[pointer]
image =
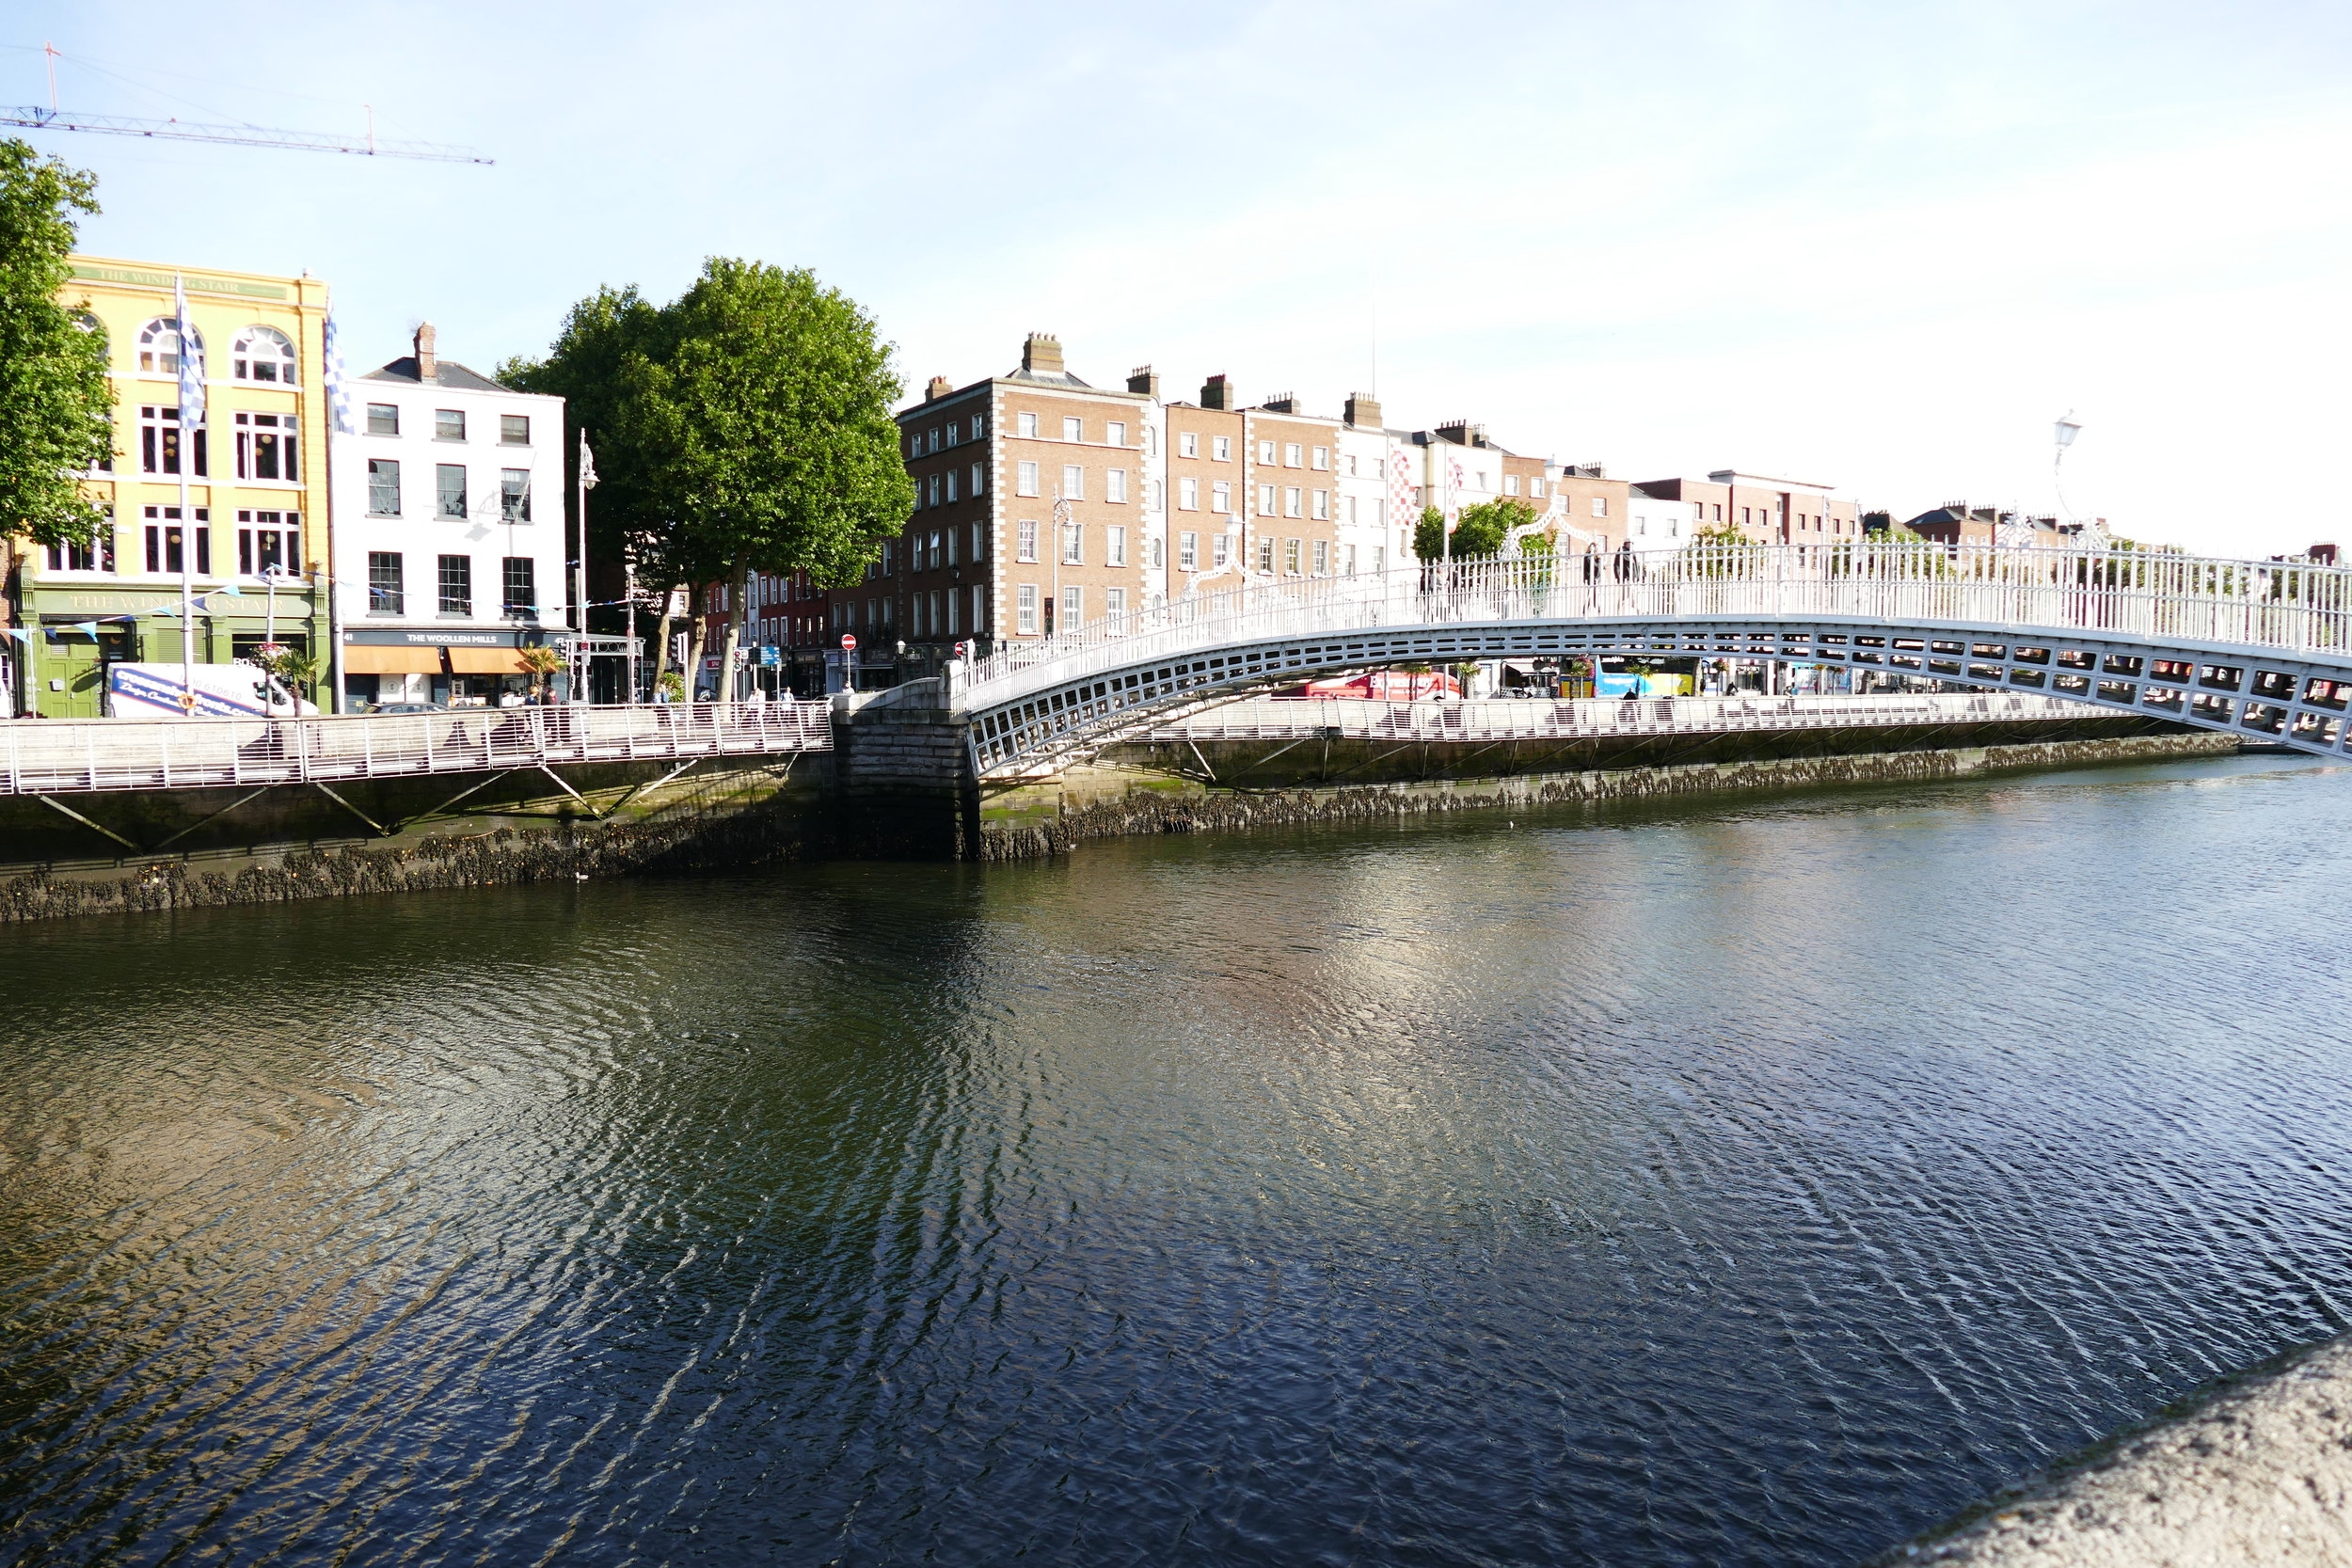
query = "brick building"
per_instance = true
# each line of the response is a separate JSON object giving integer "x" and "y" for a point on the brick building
{"x": 1043, "y": 502}
{"x": 1766, "y": 511}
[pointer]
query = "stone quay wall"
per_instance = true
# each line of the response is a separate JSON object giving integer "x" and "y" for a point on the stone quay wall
{"x": 1139, "y": 790}
{"x": 898, "y": 786}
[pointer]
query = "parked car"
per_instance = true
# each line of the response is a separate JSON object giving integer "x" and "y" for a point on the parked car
{"x": 408, "y": 707}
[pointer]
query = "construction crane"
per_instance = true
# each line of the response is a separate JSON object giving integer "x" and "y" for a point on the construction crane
{"x": 54, "y": 118}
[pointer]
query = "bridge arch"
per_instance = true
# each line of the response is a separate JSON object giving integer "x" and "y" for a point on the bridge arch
{"x": 2259, "y": 649}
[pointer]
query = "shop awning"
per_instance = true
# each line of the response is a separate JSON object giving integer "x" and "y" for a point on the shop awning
{"x": 362, "y": 659}
{"x": 483, "y": 661}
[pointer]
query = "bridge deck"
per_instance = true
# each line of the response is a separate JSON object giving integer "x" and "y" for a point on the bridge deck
{"x": 48, "y": 756}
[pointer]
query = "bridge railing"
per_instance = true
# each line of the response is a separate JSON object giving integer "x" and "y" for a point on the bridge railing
{"x": 1522, "y": 719}
{"x": 2128, "y": 592}
{"x": 49, "y": 757}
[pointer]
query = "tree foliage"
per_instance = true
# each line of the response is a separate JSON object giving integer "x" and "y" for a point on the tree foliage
{"x": 744, "y": 427}
{"x": 1480, "y": 531}
{"x": 54, "y": 403}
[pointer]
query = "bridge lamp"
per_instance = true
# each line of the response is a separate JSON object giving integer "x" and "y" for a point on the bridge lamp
{"x": 2063, "y": 433}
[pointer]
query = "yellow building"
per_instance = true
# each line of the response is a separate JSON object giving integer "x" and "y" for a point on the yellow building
{"x": 257, "y": 485}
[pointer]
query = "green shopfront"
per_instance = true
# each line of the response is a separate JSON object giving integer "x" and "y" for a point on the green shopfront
{"x": 69, "y": 633}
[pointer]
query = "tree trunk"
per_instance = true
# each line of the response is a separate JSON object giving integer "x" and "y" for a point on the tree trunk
{"x": 697, "y": 634}
{"x": 662, "y": 639}
{"x": 739, "y": 581}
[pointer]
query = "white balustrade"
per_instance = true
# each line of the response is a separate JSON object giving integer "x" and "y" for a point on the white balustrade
{"x": 49, "y": 757}
{"x": 2148, "y": 595}
{"x": 1522, "y": 719}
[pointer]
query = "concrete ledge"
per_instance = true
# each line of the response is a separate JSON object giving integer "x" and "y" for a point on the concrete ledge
{"x": 2256, "y": 1469}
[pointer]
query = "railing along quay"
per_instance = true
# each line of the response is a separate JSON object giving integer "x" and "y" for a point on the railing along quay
{"x": 50, "y": 756}
{"x": 1586, "y": 718}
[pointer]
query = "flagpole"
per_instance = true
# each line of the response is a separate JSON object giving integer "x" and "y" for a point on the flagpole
{"x": 187, "y": 516}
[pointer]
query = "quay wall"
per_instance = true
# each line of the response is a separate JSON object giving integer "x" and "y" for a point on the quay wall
{"x": 898, "y": 790}
{"x": 1165, "y": 788}
{"x": 293, "y": 842}
{"x": 2254, "y": 1467}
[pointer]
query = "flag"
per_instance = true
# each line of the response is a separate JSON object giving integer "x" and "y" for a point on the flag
{"x": 338, "y": 394}
{"x": 191, "y": 366}
{"x": 88, "y": 629}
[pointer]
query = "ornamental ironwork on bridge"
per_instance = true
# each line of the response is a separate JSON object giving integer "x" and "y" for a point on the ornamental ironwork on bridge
{"x": 2257, "y": 648}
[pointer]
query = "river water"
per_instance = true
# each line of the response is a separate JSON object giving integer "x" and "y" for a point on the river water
{"x": 1749, "y": 1181}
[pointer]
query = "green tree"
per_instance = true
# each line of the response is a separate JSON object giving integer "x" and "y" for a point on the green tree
{"x": 1480, "y": 531}
{"x": 54, "y": 403}
{"x": 745, "y": 426}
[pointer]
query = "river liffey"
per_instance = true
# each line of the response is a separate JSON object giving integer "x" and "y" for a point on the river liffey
{"x": 1747, "y": 1182}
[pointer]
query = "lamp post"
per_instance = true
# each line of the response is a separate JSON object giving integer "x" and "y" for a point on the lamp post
{"x": 2063, "y": 434}
{"x": 579, "y": 573}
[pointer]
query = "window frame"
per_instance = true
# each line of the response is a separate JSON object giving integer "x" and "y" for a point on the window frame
{"x": 442, "y": 493}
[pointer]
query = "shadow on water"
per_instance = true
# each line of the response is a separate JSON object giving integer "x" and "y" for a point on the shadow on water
{"x": 1747, "y": 1181}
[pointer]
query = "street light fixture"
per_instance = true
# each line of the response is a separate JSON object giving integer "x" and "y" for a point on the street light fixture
{"x": 2063, "y": 433}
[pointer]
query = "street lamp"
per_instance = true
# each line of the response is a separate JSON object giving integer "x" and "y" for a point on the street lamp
{"x": 2063, "y": 433}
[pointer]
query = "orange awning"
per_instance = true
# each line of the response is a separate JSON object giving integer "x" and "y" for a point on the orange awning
{"x": 483, "y": 661}
{"x": 362, "y": 659}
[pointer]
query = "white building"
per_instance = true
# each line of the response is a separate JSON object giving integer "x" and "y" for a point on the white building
{"x": 1658, "y": 522}
{"x": 450, "y": 533}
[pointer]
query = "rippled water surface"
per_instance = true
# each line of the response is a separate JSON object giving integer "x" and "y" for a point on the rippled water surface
{"x": 1749, "y": 1183}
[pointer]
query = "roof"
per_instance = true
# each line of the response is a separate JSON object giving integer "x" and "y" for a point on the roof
{"x": 1045, "y": 379}
{"x": 446, "y": 373}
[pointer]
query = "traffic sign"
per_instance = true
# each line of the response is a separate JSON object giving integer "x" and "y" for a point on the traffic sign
{"x": 848, "y": 641}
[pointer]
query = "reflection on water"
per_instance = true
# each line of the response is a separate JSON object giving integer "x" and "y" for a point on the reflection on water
{"x": 1751, "y": 1181}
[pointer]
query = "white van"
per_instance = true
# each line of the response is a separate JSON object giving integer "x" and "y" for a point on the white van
{"x": 237, "y": 690}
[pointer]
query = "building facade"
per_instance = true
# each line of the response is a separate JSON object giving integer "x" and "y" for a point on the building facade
{"x": 1762, "y": 510}
{"x": 1043, "y": 502}
{"x": 256, "y": 469}
{"x": 451, "y": 532}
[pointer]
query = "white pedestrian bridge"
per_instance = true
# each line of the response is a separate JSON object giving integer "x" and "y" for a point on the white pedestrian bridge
{"x": 2257, "y": 648}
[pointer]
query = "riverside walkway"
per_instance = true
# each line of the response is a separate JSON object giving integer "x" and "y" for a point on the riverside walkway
{"x": 52, "y": 756}
{"x": 2257, "y": 648}
{"x": 1587, "y": 719}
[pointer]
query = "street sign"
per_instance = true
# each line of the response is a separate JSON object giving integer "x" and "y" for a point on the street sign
{"x": 848, "y": 641}
{"x": 769, "y": 658}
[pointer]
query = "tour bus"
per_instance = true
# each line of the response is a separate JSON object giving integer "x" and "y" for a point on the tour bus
{"x": 239, "y": 690}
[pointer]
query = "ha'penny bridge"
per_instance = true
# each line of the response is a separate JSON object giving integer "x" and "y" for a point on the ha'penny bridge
{"x": 2259, "y": 650}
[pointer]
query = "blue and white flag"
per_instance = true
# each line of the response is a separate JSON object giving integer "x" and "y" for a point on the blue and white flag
{"x": 338, "y": 394}
{"x": 191, "y": 363}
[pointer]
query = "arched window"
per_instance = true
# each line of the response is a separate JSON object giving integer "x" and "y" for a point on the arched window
{"x": 159, "y": 347}
{"x": 263, "y": 354}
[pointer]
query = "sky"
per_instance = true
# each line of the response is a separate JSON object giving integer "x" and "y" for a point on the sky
{"x": 1879, "y": 246}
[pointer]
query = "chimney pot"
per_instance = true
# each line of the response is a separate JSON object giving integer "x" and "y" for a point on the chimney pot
{"x": 1042, "y": 354}
{"x": 938, "y": 388}
{"x": 428, "y": 363}
{"x": 1285, "y": 403}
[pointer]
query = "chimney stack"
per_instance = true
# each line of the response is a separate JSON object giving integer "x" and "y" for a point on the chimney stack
{"x": 1042, "y": 354}
{"x": 1363, "y": 411}
{"x": 1285, "y": 403}
{"x": 937, "y": 390}
{"x": 1217, "y": 392}
{"x": 428, "y": 365}
{"x": 1142, "y": 379}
